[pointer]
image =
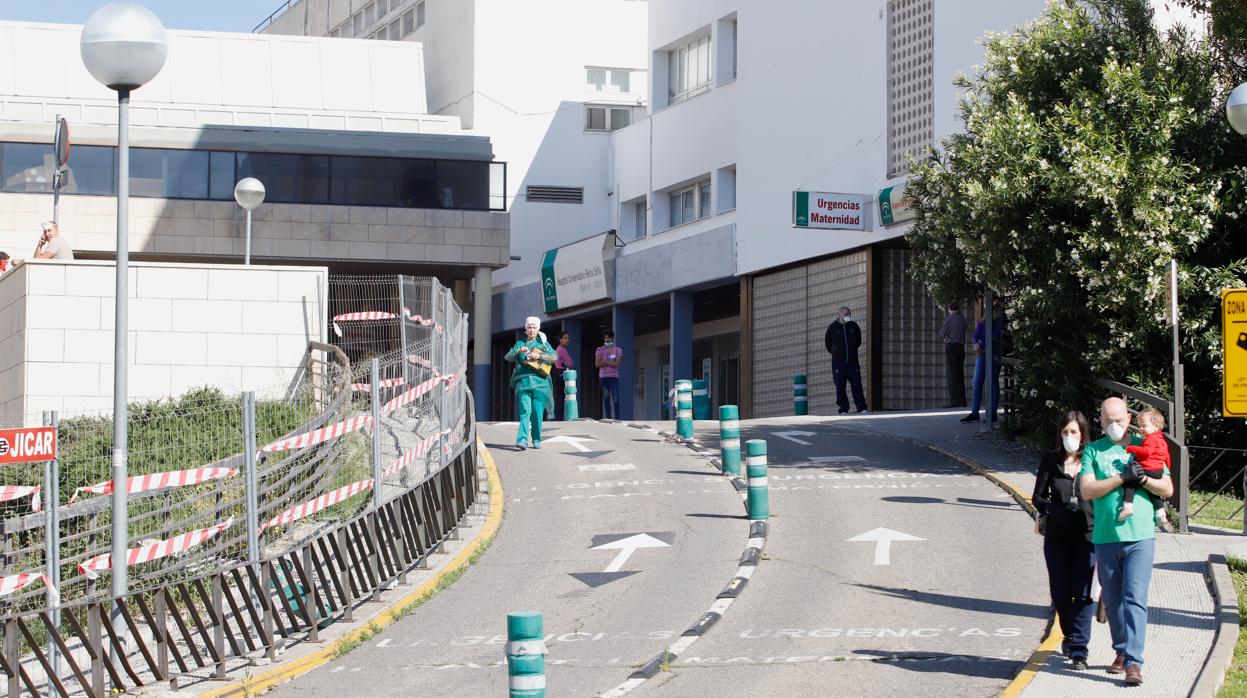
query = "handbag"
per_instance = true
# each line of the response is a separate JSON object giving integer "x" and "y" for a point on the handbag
{"x": 542, "y": 368}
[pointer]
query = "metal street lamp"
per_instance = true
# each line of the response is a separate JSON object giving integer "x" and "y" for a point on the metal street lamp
{"x": 123, "y": 46}
{"x": 249, "y": 193}
{"x": 1236, "y": 109}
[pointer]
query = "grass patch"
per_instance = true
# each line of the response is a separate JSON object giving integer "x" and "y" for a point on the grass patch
{"x": 1218, "y": 510}
{"x": 1235, "y": 685}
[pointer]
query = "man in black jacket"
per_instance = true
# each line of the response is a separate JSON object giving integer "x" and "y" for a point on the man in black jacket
{"x": 843, "y": 339}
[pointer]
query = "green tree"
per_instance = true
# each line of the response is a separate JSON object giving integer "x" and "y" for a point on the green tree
{"x": 1094, "y": 151}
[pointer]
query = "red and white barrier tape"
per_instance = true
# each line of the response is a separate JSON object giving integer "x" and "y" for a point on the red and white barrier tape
{"x": 320, "y": 435}
{"x": 419, "y": 361}
{"x": 411, "y": 395}
{"x": 155, "y": 481}
{"x": 306, "y": 509}
{"x": 386, "y": 383}
{"x": 11, "y": 492}
{"x": 455, "y": 433}
{"x": 154, "y": 550}
{"x": 366, "y": 315}
{"x": 17, "y": 582}
{"x": 416, "y": 318}
{"x": 404, "y": 461}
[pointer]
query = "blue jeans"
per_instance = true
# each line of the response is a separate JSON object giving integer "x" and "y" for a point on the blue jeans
{"x": 610, "y": 397}
{"x": 1125, "y": 574}
{"x": 1070, "y": 566}
{"x": 980, "y": 377}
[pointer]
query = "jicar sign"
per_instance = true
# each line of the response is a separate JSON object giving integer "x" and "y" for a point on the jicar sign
{"x": 896, "y": 205}
{"x": 32, "y": 445}
{"x": 576, "y": 274}
{"x": 820, "y": 209}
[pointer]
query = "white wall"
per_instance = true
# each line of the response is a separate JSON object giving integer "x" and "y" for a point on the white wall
{"x": 219, "y": 78}
{"x": 529, "y": 75}
{"x": 232, "y": 327}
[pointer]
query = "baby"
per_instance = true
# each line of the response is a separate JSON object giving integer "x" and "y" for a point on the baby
{"x": 1153, "y": 456}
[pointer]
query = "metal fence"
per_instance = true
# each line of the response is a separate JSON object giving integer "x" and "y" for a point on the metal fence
{"x": 252, "y": 521}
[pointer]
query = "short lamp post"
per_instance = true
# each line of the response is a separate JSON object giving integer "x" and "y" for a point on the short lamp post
{"x": 123, "y": 47}
{"x": 1236, "y": 109}
{"x": 249, "y": 193}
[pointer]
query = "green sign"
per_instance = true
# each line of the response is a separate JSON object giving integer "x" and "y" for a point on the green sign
{"x": 549, "y": 288}
{"x": 896, "y": 206}
{"x": 575, "y": 274}
{"x": 830, "y": 210}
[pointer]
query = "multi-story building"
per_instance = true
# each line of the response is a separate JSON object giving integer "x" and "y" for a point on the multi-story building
{"x": 360, "y": 177}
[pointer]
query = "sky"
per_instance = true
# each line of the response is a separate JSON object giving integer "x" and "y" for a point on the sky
{"x": 209, "y": 15}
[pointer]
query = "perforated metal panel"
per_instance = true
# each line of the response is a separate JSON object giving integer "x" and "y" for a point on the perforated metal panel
{"x": 911, "y": 57}
{"x": 791, "y": 311}
{"x": 913, "y": 353}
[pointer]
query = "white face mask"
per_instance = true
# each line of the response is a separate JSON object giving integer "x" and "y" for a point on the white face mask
{"x": 1071, "y": 442}
{"x": 608, "y": 343}
{"x": 1115, "y": 431}
{"x": 848, "y": 319}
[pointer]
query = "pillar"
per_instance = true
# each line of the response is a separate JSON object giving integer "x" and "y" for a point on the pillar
{"x": 482, "y": 328}
{"x": 625, "y": 330}
{"x": 681, "y": 335}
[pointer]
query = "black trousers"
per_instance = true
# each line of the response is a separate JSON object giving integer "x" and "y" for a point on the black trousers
{"x": 955, "y": 370}
{"x": 1070, "y": 566}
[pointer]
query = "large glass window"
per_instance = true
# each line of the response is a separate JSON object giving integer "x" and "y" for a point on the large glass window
{"x": 688, "y": 69}
{"x": 221, "y": 179}
{"x": 288, "y": 179}
{"x": 169, "y": 174}
{"x": 690, "y": 204}
{"x": 28, "y": 168}
{"x": 419, "y": 14}
{"x": 462, "y": 184}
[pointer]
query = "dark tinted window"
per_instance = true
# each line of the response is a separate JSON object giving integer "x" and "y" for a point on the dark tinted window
{"x": 384, "y": 182}
{"x": 288, "y": 179}
{"x": 221, "y": 178}
{"x": 168, "y": 174}
{"x": 28, "y": 168}
{"x": 462, "y": 184}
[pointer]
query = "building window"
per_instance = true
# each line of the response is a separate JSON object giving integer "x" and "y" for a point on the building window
{"x": 605, "y": 118}
{"x": 640, "y": 223}
{"x": 409, "y": 22}
{"x": 358, "y": 21}
{"x": 735, "y": 49}
{"x": 554, "y": 194}
{"x": 616, "y": 80}
{"x": 27, "y": 167}
{"x": 169, "y": 174}
{"x": 370, "y": 15}
{"x": 396, "y": 30}
{"x": 910, "y": 127}
{"x": 383, "y": 8}
{"x": 420, "y": 14}
{"x": 688, "y": 70}
{"x": 690, "y": 204}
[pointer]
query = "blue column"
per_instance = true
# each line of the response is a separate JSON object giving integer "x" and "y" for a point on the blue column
{"x": 482, "y": 341}
{"x": 681, "y": 335}
{"x": 625, "y": 329}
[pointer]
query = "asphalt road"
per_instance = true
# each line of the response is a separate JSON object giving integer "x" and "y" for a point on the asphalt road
{"x": 561, "y": 502}
{"x": 953, "y": 614}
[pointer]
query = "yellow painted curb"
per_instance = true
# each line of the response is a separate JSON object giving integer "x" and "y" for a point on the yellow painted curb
{"x": 1036, "y": 662}
{"x": 260, "y": 683}
{"x": 1021, "y": 497}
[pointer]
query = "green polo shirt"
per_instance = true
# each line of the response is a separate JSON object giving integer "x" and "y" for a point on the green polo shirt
{"x": 1104, "y": 459}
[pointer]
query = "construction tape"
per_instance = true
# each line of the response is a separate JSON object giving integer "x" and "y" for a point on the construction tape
{"x": 154, "y": 550}
{"x": 11, "y": 492}
{"x": 306, "y": 509}
{"x": 321, "y": 435}
{"x": 155, "y": 481}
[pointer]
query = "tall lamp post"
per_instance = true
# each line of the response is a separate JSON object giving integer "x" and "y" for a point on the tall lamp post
{"x": 249, "y": 193}
{"x": 123, "y": 47}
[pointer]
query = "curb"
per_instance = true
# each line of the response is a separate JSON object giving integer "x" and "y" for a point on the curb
{"x": 1212, "y": 674}
{"x": 749, "y": 560}
{"x": 260, "y": 683}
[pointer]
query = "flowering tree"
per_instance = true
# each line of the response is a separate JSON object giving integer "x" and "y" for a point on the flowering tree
{"x": 1094, "y": 151}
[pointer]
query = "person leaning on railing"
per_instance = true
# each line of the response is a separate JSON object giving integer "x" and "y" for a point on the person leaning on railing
{"x": 534, "y": 396}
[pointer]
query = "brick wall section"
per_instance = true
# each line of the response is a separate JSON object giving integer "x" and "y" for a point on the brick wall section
{"x": 289, "y": 232}
{"x": 236, "y": 328}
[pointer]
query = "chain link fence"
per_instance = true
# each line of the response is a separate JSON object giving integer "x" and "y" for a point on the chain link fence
{"x": 364, "y": 419}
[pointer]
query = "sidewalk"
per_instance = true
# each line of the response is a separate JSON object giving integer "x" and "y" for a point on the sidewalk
{"x": 1182, "y": 620}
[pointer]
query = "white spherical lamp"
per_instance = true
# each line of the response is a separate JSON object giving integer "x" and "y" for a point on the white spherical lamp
{"x": 249, "y": 193}
{"x": 1236, "y": 109}
{"x": 123, "y": 45}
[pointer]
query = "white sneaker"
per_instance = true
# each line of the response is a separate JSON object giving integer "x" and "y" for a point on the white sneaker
{"x": 1127, "y": 510}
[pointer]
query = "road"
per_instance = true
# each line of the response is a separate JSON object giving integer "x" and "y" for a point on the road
{"x": 954, "y": 614}
{"x": 561, "y": 502}
{"x": 889, "y": 569}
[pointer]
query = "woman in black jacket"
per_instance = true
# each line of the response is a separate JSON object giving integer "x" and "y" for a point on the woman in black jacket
{"x": 1065, "y": 522}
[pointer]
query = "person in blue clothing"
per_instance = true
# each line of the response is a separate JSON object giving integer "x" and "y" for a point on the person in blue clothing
{"x": 980, "y": 358}
{"x": 534, "y": 396}
{"x": 842, "y": 340}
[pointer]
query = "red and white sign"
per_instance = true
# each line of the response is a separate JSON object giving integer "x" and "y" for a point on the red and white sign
{"x": 33, "y": 445}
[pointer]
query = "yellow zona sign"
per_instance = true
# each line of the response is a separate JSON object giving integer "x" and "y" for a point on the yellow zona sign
{"x": 1234, "y": 348}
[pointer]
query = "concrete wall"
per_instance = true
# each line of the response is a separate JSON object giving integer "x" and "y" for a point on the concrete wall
{"x": 287, "y": 232}
{"x": 218, "y": 78}
{"x": 235, "y": 328}
{"x": 643, "y": 270}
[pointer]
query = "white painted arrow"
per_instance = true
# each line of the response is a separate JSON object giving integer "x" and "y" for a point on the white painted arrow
{"x": 575, "y": 442}
{"x": 837, "y": 459}
{"x": 790, "y": 435}
{"x": 627, "y": 546}
{"x": 883, "y": 539}
{"x": 606, "y": 467}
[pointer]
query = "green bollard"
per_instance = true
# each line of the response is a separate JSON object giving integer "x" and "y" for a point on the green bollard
{"x": 800, "y": 395}
{"x": 684, "y": 408}
{"x": 701, "y": 399}
{"x": 571, "y": 409}
{"x": 526, "y": 650}
{"x": 729, "y": 439}
{"x": 759, "y": 501}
